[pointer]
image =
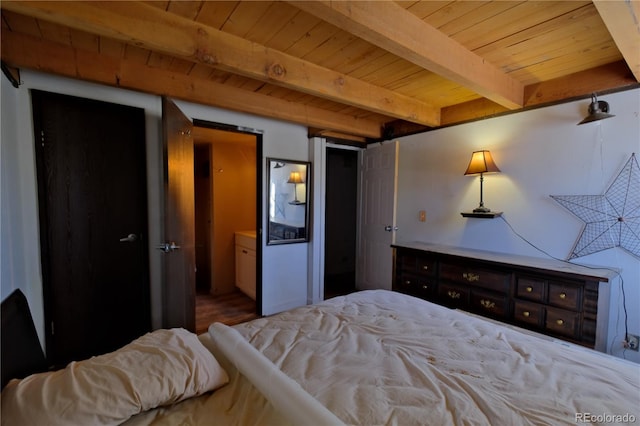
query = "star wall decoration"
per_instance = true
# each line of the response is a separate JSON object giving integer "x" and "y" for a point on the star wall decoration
{"x": 612, "y": 219}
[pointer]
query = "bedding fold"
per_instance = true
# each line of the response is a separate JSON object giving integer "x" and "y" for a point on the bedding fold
{"x": 285, "y": 394}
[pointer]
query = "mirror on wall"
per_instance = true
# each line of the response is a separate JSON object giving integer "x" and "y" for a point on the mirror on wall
{"x": 288, "y": 213}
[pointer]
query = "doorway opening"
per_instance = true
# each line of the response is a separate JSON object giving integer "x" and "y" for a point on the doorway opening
{"x": 227, "y": 196}
{"x": 340, "y": 221}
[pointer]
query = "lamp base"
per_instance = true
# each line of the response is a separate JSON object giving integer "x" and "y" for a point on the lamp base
{"x": 482, "y": 209}
{"x": 489, "y": 215}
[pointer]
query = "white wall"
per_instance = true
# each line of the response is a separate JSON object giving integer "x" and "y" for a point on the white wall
{"x": 18, "y": 214}
{"x": 541, "y": 152}
{"x": 284, "y": 267}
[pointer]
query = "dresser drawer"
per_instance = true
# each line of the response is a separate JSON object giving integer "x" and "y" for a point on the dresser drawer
{"x": 531, "y": 288}
{"x": 426, "y": 266}
{"x": 453, "y": 296}
{"x": 416, "y": 286}
{"x": 565, "y": 296}
{"x": 423, "y": 265}
{"x": 528, "y": 313}
{"x": 471, "y": 275}
{"x": 407, "y": 262}
{"x": 562, "y": 322}
{"x": 489, "y": 304}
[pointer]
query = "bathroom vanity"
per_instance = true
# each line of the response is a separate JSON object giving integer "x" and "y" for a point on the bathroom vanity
{"x": 246, "y": 262}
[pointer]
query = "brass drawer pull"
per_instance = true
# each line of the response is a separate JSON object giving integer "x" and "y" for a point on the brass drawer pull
{"x": 526, "y": 314}
{"x": 559, "y": 322}
{"x": 425, "y": 287}
{"x": 563, "y": 295}
{"x": 487, "y": 304}
{"x": 529, "y": 289}
{"x": 408, "y": 282}
{"x": 425, "y": 267}
{"x": 453, "y": 294}
{"x": 470, "y": 277}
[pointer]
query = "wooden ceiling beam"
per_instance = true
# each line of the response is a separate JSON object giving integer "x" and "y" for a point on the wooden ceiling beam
{"x": 146, "y": 26}
{"x": 603, "y": 79}
{"x": 622, "y": 19}
{"x": 28, "y": 52}
{"x": 614, "y": 76}
{"x": 391, "y": 27}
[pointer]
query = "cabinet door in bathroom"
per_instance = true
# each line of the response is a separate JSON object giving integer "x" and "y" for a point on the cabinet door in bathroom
{"x": 246, "y": 263}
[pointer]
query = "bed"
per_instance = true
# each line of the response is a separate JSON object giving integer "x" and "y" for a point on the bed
{"x": 383, "y": 358}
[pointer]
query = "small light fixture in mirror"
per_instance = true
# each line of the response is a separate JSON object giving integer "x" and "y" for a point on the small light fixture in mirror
{"x": 295, "y": 179}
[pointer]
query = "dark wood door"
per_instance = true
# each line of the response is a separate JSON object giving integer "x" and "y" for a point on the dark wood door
{"x": 92, "y": 193}
{"x": 180, "y": 257}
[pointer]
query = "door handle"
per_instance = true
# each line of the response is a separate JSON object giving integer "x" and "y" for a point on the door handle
{"x": 168, "y": 247}
{"x": 390, "y": 228}
{"x": 131, "y": 238}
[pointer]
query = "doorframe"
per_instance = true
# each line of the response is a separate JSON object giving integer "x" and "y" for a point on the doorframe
{"x": 258, "y": 134}
{"x": 318, "y": 155}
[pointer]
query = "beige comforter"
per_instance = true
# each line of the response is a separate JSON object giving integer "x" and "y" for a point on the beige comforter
{"x": 378, "y": 358}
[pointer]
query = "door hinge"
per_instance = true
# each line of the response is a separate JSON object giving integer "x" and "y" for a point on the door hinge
{"x": 42, "y": 138}
{"x": 52, "y": 329}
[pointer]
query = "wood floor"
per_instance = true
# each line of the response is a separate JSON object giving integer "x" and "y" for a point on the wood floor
{"x": 230, "y": 309}
{"x": 236, "y": 307}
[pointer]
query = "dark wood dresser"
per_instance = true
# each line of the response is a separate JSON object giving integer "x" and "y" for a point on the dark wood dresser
{"x": 555, "y": 298}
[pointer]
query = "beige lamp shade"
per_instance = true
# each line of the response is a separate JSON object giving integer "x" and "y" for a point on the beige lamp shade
{"x": 295, "y": 177}
{"x": 481, "y": 162}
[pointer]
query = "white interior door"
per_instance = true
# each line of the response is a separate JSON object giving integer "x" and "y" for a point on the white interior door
{"x": 377, "y": 221}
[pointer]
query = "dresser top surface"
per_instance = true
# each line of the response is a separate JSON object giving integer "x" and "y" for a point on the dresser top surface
{"x": 601, "y": 273}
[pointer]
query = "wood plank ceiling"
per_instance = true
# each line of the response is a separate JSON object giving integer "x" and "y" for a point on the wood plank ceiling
{"x": 353, "y": 70}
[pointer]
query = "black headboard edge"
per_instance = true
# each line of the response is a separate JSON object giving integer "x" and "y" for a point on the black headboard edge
{"x": 20, "y": 347}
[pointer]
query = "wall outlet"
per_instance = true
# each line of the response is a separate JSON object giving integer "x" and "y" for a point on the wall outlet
{"x": 632, "y": 342}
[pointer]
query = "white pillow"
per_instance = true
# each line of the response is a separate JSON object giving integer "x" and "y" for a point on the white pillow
{"x": 159, "y": 368}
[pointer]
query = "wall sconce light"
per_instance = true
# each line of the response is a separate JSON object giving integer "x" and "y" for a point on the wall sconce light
{"x": 598, "y": 110}
{"x": 481, "y": 162}
{"x": 295, "y": 179}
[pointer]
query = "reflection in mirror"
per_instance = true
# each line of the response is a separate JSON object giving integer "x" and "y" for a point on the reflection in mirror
{"x": 288, "y": 194}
